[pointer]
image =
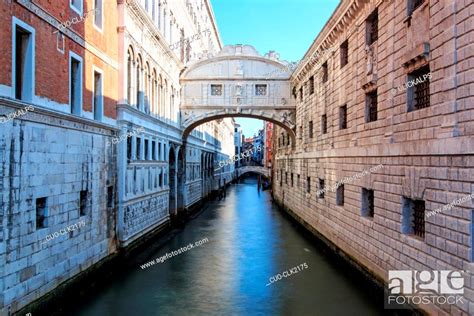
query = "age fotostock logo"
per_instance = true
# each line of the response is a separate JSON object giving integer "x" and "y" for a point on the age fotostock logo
{"x": 424, "y": 287}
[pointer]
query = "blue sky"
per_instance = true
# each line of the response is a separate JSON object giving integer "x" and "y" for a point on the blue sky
{"x": 287, "y": 26}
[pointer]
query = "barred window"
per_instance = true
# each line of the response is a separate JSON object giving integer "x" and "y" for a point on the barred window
{"x": 419, "y": 89}
{"x": 260, "y": 89}
{"x": 413, "y": 5}
{"x": 413, "y": 217}
{"x": 324, "y": 124}
{"x": 344, "y": 53}
{"x": 371, "y": 106}
{"x": 372, "y": 28}
{"x": 343, "y": 117}
{"x": 311, "y": 85}
{"x": 41, "y": 212}
{"x": 216, "y": 89}
{"x": 325, "y": 72}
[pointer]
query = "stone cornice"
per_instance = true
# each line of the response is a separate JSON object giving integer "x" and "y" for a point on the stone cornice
{"x": 344, "y": 15}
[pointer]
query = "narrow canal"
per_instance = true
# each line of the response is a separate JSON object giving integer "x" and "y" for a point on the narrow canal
{"x": 250, "y": 241}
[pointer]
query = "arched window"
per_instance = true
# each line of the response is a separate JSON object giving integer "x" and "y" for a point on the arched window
{"x": 139, "y": 70}
{"x": 165, "y": 99}
{"x": 153, "y": 92}
{"x": 146, "y": 89}
{"x": 130, "y": 59}
{"x": 160, "y": 96}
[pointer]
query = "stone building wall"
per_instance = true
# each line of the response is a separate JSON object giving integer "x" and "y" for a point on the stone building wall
{"x": 427, "y": 154}
{"x": 64, "y": 160}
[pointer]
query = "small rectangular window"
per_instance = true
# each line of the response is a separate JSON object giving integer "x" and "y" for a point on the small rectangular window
{"x": 41, "y": 212}
{"x": 367, "y": 201}
{"x": 311, "y": 85}
{"x": 216, "y": 89}
{"x": 344, "y": 49}
{"x": 60, "y": 42}
{"x": 75, "y": 81}
{"x": 343, "y": 117}
{"x": 308, "y": 184}
{"x": 260, "y": 89}
{"x": 372, "y": 28}
{"x": 301, "y": 94}
{"x": 325, "y": 72}
{"x": 371, "y": 107}
{"x": 98, "y": 14}
{"x": 298, "y": 181}
{"x": 97, "y": 105}
{"x": 340, "y": 195}
{"x": 324, "y": 124}
{"x": 286, "y": 177}
{"x": 83, "y": 202}
{"x": 292, "y": 179}
{"x": 310, "y": 129}
{"x": 322, "y": 189}
{"x": 110, "y": 196}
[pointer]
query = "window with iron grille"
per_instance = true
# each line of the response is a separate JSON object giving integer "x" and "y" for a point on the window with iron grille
{"x": 367, "y": 201}
{"x": 371, "y": 106}
{"x": 324, "y": 124}
{"x": 311, "y": 85}
{"x": 413, "y": 5}
{"x": 308, "y": 184}
{"x": 260, "y": 89}
{"x": 372, "y": 28}
{"x": 343, "y": 117}
{"x": 344, "y": 48}
{"x": 419, "y": 89}
{"x": 325, "y": 72}
{"x": 310, "y": 129}
{"x": 216, "y": 89}
{"x": 321, "y": 189}
{"x": 413, "y": 217}
{"x": 340, "y": 195}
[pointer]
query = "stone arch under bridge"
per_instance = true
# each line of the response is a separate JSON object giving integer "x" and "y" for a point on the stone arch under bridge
{"x": 238, "y": 82}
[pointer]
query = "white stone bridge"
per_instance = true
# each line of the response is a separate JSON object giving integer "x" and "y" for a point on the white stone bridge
{"x": 255, "y": 169}
{"x": 237, "y": 82}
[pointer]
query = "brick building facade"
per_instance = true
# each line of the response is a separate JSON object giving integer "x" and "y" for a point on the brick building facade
{"x": 387, "y": 83}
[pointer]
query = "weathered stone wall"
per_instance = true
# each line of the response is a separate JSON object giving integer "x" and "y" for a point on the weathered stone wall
{"x": 55, "y": 156}
{"x": 427, "y": 154}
